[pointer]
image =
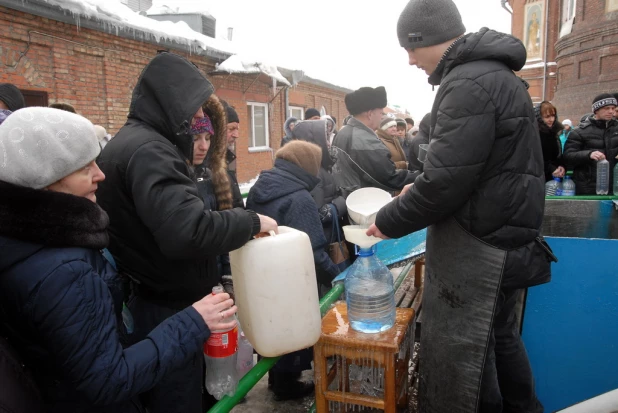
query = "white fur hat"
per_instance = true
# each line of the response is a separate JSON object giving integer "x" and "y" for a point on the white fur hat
{"x": 40, "y": 146}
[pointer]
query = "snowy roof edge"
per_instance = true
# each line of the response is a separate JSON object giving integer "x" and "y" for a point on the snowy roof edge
{"x": 43, "y": 9}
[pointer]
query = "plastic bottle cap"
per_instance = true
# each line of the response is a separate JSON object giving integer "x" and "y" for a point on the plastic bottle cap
{"x": 557, "y": 179}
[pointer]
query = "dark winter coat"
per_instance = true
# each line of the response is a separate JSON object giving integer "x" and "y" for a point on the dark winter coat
{"x": 160, "y": 234}
{"x": 326, "y": 192}
{"x": 282, "y": 193}
{"x": 287, "y": 131}
{"x": 62, "y": 301}
{"x": 591, "y": 135}
{"x": 364, "y": 161}
{"x": 484, "y": 166}
{"x": 550, "y": 144}
{"x": 422, "y": 137}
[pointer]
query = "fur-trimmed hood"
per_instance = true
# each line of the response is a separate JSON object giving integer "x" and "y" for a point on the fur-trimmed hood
{"x": 216, "y": 160}
{"x": 48, "y": 219}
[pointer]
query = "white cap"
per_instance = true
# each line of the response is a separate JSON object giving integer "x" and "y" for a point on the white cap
{"x": 567, "y": 122}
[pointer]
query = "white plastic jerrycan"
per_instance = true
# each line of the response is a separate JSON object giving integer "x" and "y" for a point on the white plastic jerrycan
{"x": 276, "y": 292}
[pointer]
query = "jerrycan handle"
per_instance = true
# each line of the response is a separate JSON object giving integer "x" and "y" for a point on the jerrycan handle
{"x": 264, "y": 234}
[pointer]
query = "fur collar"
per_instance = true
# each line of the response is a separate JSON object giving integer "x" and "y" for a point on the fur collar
{"x": 51, "y": 218}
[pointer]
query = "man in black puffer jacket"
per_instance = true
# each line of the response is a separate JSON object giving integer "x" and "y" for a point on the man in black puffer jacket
{"x": 482, "y": 195}
{"x": 595, "y": 138}
{"x": 161, "y": 237}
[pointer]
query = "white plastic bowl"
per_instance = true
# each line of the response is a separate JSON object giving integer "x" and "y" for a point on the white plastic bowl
{"x": 364, "y": 204}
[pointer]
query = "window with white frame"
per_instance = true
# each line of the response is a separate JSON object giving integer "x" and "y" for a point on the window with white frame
{"x": 296, "y": 112}
{"x": 257, "y": 113}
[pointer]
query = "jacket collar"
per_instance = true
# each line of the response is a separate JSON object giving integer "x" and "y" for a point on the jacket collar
{"x": 51, "y": 218}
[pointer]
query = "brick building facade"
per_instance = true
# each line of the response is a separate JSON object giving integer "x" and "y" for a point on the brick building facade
{"x": 580, "y": 47}
{"x": 95, "y": 71}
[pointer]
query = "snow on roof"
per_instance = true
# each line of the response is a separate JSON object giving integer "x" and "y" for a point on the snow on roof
{"x": 118, "y": 15}
{"x": 168, "y": 7}
{"x": 240, "y": 64}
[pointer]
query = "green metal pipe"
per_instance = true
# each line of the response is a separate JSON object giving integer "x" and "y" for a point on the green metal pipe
{"x": 254, "y": 375}
{"x": 585, "y": 197}
{"x": 402, "y": 275}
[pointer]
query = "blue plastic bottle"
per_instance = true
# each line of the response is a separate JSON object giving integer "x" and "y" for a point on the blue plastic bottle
{"x": 370, "y": 294}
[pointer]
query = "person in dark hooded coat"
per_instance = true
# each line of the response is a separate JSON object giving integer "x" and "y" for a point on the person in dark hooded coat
{"x": 161, "y": 237}
{"x": 288, "y": 127}
{"x": 482, "y": 196}
{"x": 549, "y": 130}
{"x": 283, "y": 193}
{"x": 326, "y": 192}
{"x": 61, "y": 305}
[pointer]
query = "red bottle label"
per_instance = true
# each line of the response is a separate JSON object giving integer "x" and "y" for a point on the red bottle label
{"x": 221, "y": 345}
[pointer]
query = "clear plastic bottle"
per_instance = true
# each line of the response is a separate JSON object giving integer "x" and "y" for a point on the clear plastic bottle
{"x": 220, "y": 353}
{"x": 244, "y": 361}
{"x": 568, "y": 187}
{"x": 616, "y": 178}
{"x": 602, "y": 177}
{"x": 553, "y": 187}
{"x": 370, "y": 295}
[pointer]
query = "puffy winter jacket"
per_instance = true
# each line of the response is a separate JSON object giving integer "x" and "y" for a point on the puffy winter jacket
{"x": 283, "y": 194}
{"x": 591, "y": 135}
{"x": 62, "y": 302}
{"x": 484, "y": 165}
{"x": 364, "y": 161}
{"x": 160, "y": 234}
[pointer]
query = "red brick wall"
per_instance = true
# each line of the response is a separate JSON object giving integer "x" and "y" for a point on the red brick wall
{"x": 96, "y": 73}
{"x": 587, "y": 59}
{"x": 534, "y": 76}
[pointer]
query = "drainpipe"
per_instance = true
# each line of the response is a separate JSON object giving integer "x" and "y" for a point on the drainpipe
{"x": 546, "y": 47}
{"x": 504, "y": 6}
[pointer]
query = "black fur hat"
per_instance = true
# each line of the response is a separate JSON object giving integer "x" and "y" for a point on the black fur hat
{"x": 364, "y": 99}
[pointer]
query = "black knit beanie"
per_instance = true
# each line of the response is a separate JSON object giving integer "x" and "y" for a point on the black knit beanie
{"x": 604, "y": 99}
{"x": 425, "y": 23}
{"x": 11, "y": 96}
{"x": 230, "y": 112}
{"x": 311, "y": 112}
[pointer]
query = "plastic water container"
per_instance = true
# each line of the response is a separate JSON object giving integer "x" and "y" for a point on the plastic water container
{"x": 276, "y": 292}
{"x": 370, "y": 295}
{"x": 553, "y": 187}
{"x": 364, "y": 204}
{"x": 568, "y": 187}
{"x": 602, "y": 177}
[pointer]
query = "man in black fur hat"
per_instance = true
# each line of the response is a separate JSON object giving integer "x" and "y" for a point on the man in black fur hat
{"x": 362, "y": 159}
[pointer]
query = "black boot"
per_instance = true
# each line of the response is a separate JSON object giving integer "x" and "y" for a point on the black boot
{"x": 288, "y": 386}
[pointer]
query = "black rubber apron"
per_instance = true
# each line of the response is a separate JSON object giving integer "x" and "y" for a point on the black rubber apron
{"x": 462, "y": 282}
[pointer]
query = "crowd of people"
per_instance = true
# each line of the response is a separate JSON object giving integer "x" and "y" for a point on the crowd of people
{"x": 111, "y": 246}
